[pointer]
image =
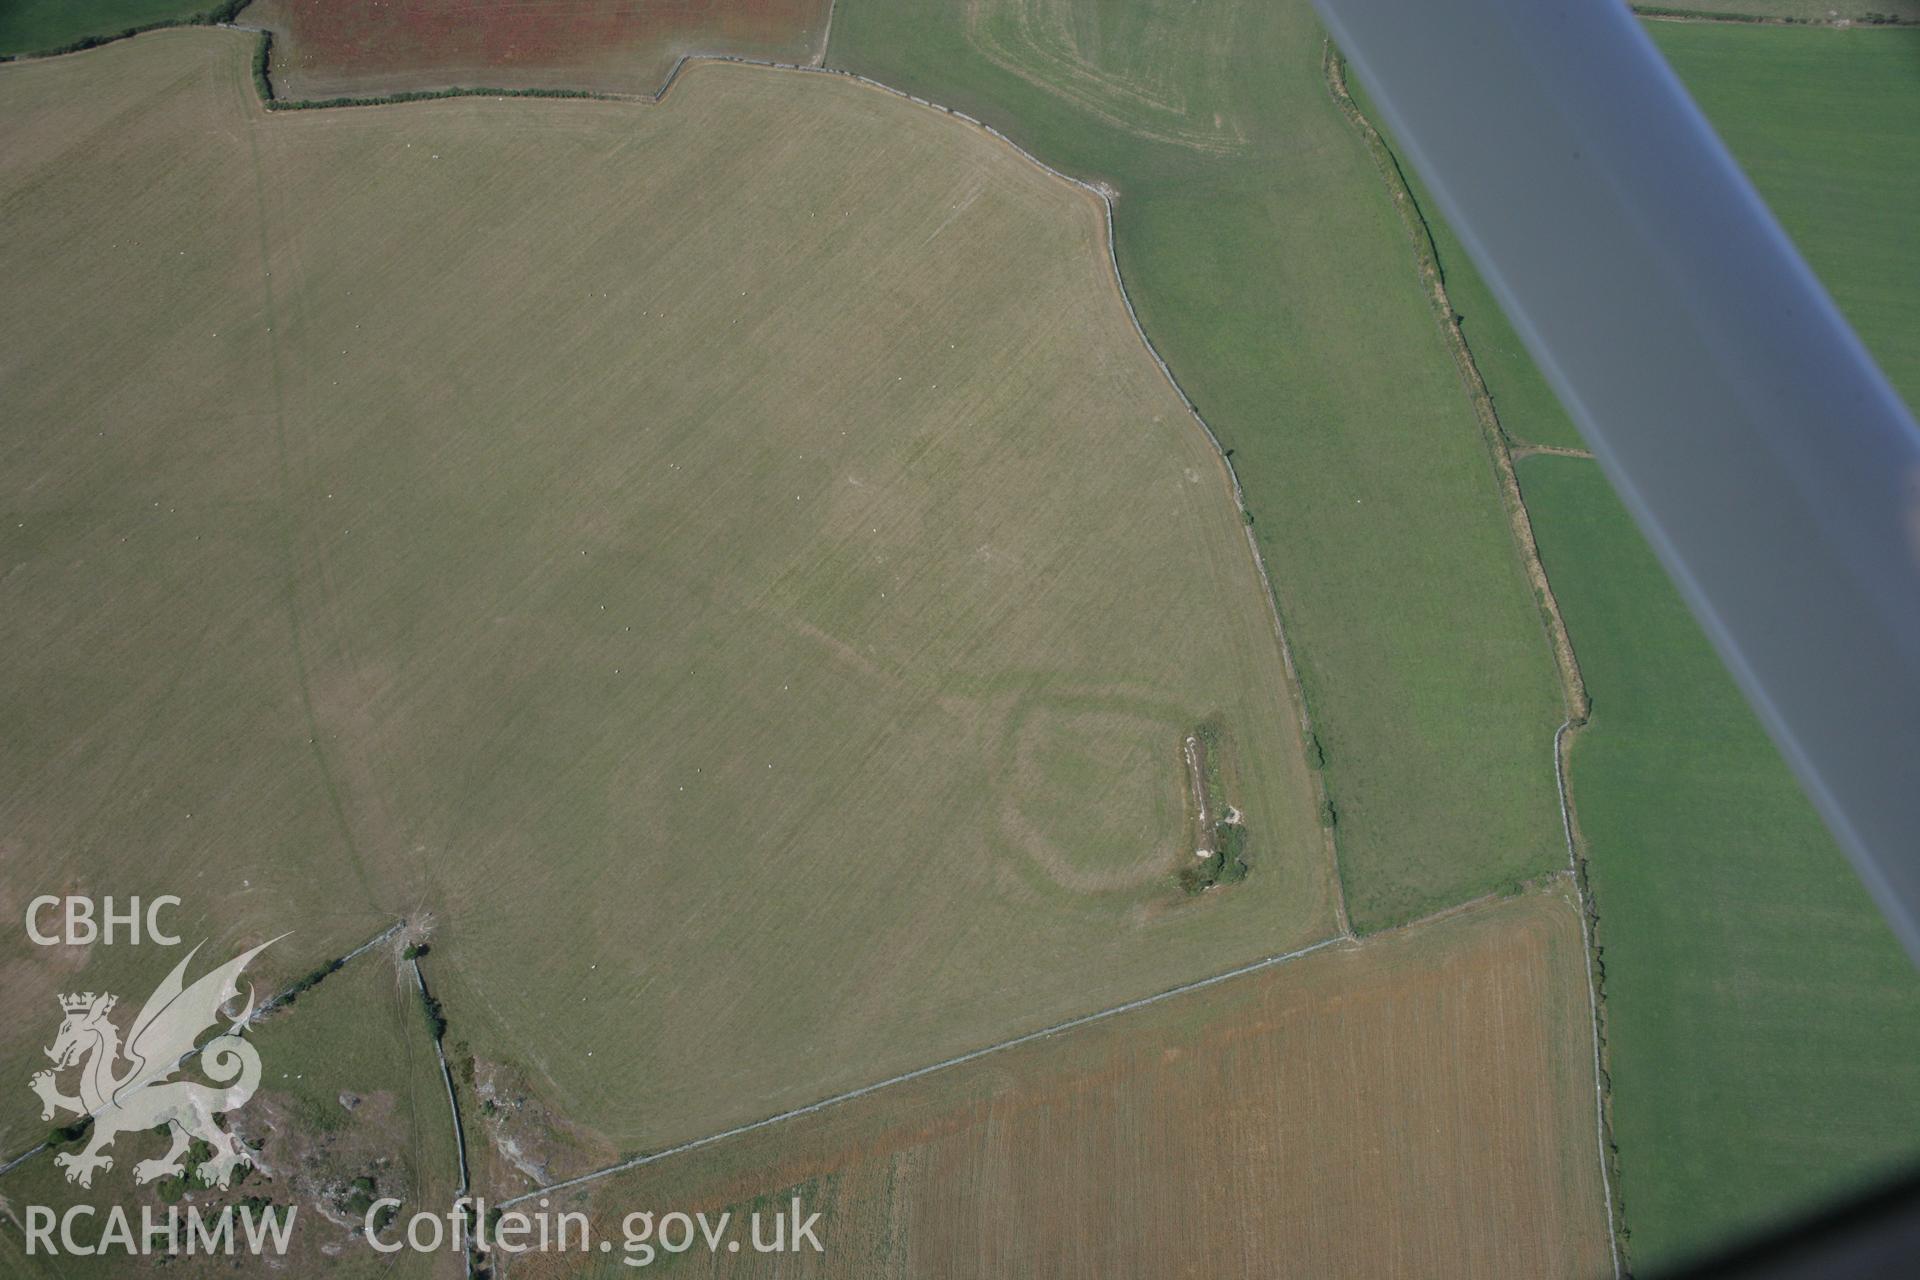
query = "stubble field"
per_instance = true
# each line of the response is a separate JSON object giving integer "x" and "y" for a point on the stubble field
{"x": 750, "y": 582}
{"x": 1420, "y": 1104}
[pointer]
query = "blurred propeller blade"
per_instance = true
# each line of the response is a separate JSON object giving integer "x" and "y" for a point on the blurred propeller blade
{"x": 1769, "y": 462}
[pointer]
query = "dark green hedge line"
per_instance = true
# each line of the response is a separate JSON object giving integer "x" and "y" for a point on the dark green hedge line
{"x": 1870, "y": 19}
{"x": 436, "y": 1013}
{"x": 412, "y": 95}
{"x": 262, "y": 53}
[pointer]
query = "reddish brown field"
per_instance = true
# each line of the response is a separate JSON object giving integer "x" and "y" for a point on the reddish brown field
{"x": 1418, "y": 1105}
{"x": 334, "y": 48}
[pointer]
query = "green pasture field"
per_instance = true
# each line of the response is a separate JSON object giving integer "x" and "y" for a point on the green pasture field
{"x": 34, "y": 26}
{"x": 1763, "y": 1026}
{"x": 1823, "y": 122}
{"x": 1529, "y": 411}
{"x": 1269, "y": 266}
{"x": 1729, "y": 1009}
{"x": 1820, "y": 121}
{"x": 751, "y": 583}
{"x": 358, "y": 1037}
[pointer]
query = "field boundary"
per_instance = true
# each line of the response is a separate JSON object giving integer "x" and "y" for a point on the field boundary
{"x": 1187, "y": 988}
{"x": 1661, "y": 13}
{"x": 263, "y": 85}
{"x": 1573, "y": 687}
{"x": 972, "y": 1055}
{"x": 288, "y": 541}
{"x": 453, "y": 1105}
{"x": 826, "y": 34}
{"x": 1523, "y": 451}
{"x": 1497, "y": 440}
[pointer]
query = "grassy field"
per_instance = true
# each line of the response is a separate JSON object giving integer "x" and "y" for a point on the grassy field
{"x": 154, "y": 734}
{"x": 359, "y": 1038}
{"x": 1764, "y": 1027}
{"x": 1822, "y": 121}
{"x": 757, "y": 600}
{"x": 345, "y": 48}
{"x": 33, "y": 26}
{"x": 1528, "y": 409}
{"x": 1819, "y": 120}
{"x": 1419, "y": 1105}
{"x": 1762, "y": 1021}
{"x": 1271, "y": 270}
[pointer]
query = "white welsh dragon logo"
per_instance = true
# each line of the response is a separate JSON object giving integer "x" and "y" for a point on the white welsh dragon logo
{"x": 126, "y": 1088}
